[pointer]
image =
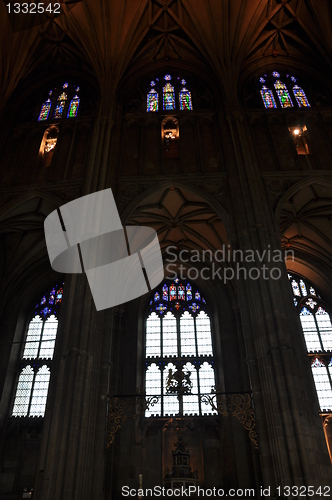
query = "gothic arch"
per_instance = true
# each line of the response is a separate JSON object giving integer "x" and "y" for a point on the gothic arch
{"x": 303, "y": 218}
{"x": 147, "y": 191}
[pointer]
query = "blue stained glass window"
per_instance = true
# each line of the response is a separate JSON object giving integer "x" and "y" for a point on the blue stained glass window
{"x": 59, "y": 295}
{"x": 152, "y": 101}
{"x": 165, "y": 292}
{"x": 268, "y": 97}
{"x": 45, "y": 110}
{"x": 181, "y": 292}
{"x": 194, "y": 307}
{"x": 156, "y": 297}
{"x": 189, "y": 292}
{"x": 281, "y": 90}
{"x": 300, "y": 97}
{"x": 52, "y": 297}
{"x": 185, "y": 99}
{"x": 172, "y": 292}
{"x": 161, "y": 308}
{"x": 60, "y": 106}
{"x": 168, "y": 97}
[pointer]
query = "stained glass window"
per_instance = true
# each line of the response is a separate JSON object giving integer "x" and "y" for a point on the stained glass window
{"x": 283, "y": 94}
{"x": 317, "y": 330}
{"x": 152, "y": 101}
{"x": 168, "y": 95}
{"x": 268, "y": 97}
{"x": 45, "y": 110}
{"x": 38, "y": 351}
{"x": 172, "y": 292}
{"x": 185, "y": 98}
{"x": 73, "y": 107}
{"x": 60, "y": 106}
{"x": 277, "y": 84}
{"x": 181, "y": 292}
{"x": 165, "y": 292}
{"x": 57, "y": 99}
{"x": 300, "y": 97}
{"x": 178, "y": 330}
{"x": 189, "y": 292}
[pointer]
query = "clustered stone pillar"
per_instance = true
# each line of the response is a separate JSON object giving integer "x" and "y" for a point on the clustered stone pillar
{"x": 288, "y": 425}
{"x": 73, "y": 455}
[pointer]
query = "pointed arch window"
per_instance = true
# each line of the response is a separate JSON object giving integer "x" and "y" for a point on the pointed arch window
{"x": 172, "y": 90}
{"x": 61, "y": 103}
{"x": 32, "y": 387}
{"x": 46, "y": 108}
{"x": 178, "y": 351}
{"x": 168, "y": 94}
{"x": 185, "y": 97}
{"x": 283, "y": 94}
{"x": 317, "y": 330}
{"x": 73, "y": 106}
{"x": 281, "y": 83}
{"x": 152, "y": 98}
{"x": 268, "y": 97}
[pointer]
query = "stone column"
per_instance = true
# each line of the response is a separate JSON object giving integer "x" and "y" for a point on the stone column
{"x": 73, "y": 452}
{"x": 290, "y": 438}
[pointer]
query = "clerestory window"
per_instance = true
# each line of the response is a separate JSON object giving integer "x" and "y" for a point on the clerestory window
{"x": 61, "y": 103}
{"x": 168, "y": 93}
{"x": 281, "y": 90}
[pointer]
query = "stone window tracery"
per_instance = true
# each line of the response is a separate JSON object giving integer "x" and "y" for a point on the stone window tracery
{"x": 317, "y": 331}
{"x": 33, "y": 381}
{"x": 178, "y": 351}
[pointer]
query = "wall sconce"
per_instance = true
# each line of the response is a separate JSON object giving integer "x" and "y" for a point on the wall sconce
{"x": 300, "y": 139}
{"x": 48, "y": 144}
{"x": 170, "y": 136}
{"x": 27, "y": 493}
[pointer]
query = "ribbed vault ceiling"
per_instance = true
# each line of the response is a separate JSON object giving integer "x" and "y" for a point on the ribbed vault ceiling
{"x": 182, "y": 219}
{"x": 110, "y": 35}
{"x": 306, "y": 221}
